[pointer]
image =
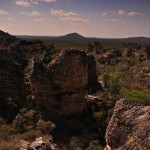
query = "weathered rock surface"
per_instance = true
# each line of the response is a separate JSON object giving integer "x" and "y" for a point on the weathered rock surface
{"x": 138, "y": 52}
{"x": 129, "y": 128}
{"x": 141, "y": 78}
{"x": 39, "y": 144}
{"x": 59, "y": 86}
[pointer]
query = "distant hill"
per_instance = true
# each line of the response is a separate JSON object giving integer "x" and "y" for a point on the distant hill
{"x": 2, "y": 33}
{"x": 73, "y": 36}
{"x": 6, "y": 38}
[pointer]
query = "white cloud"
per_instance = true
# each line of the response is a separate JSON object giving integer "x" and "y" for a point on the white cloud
{"x": 11, "y": 19}
{"x": 111, "y": 20}
{"x": 62, "y": 13}
{"x": 70, "y": 17}
{"x": 133, "y": 14}
{"x": 49, "y": 1}
{"x": 107, "y": 13}
{"x": 114, "y": 20}
{"x": 34, "y": 2}
{"x": 121, "y": 12}
{"x": 29, "y": 3}
{"x": 3, "y": 13}
{"x": 37, "y": 1}
{"x": 74, "y": 20}
{"x": 22, "y": 3}
{"x": 41, "y": 20}
{"x": 31, "y": 14}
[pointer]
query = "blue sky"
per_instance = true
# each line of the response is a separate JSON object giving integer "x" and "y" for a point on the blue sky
{"x": 93, "y": 18}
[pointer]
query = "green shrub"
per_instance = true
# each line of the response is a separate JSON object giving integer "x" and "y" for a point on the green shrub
{"x": 112, "y": 82}
{"x": 138, "y": 97}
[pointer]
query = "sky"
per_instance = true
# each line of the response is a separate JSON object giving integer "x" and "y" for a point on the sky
{"x": 90, "y": 18}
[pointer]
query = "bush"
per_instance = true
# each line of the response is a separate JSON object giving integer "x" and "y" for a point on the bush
{"x": 26, "y": 120}
{"x": 45, "y": 126}
{"x": 138, "y": 97}
{"x": 112, "y": 82}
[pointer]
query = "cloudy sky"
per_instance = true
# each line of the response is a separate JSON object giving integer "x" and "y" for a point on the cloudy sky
{"x": 93, "y": 18}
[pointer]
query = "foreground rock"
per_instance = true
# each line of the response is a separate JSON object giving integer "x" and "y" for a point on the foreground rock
{"x": 129, "y": 128}
{"x": 39, "y": 144}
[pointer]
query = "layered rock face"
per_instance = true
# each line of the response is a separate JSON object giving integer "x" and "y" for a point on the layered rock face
{"x": 128, "y": 128}
{"x": 59, "y": 86}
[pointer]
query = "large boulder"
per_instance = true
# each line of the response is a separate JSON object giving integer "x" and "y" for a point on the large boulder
{"x": 59, "y": 87}
{"x": 128, "y": 128}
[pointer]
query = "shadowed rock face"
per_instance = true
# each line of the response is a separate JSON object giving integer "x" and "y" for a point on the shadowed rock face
{"x": 11, "y": 89}
{"x": 128, "y": 128}
{"x": 93, "y": 84}
{"x": 59, "y": 87}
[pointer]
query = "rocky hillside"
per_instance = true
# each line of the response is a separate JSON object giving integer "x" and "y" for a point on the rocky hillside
{"x": 43, "y": 92}
{"x": 53, "y": 99}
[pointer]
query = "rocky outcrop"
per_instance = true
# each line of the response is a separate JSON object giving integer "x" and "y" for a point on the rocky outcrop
{"x": 59, "y": 86}
{"x": 53, "y": 82}
{"x": 11, "y": 88}
{"x": 93, "y": 84}
{"x": 139, "y": 52}
{"x": 128, "y": 128}
{"x": 39, "y": 144}
{"x": 95, "y": 47}
{"x": 141, "y": 78}
{"x": 101, "y": 110}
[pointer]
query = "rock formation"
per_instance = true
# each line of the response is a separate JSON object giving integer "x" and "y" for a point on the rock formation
{"x": 60, "y": 85}
{"x": 141, "y": 78}
{"x": 139, "y": 52}
{"x": 11, "y": 88}
{"x": 128, "y": 128}
{"x": 93, "y": 84}
{"x": 39, "y": 144}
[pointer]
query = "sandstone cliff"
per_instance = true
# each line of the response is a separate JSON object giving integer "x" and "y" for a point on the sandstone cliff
{"x": 128, "y": 128}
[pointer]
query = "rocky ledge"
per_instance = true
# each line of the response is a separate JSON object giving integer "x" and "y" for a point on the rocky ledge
{"x": 128, "y": 128}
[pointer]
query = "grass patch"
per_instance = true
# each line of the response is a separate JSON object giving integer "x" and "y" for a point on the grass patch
{"x": 138, "y": 97}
